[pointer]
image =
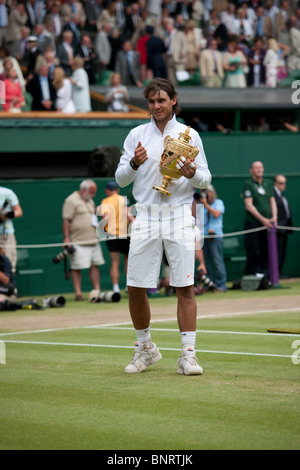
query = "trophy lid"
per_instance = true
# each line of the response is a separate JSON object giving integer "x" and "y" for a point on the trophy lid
{"x": 185, "y": 136}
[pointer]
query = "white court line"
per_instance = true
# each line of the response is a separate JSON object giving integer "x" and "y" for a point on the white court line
{"x": 175, "y": 330}
{"x": 159, "y": 320}
{"x": 115, "y": 346}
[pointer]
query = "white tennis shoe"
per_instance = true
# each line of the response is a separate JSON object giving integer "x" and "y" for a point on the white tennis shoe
{"x": 143, "y": 357}
{"x": 188, "y": 363}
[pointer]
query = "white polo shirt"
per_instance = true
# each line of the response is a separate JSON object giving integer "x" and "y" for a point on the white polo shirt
{"x": 148, "y": 175}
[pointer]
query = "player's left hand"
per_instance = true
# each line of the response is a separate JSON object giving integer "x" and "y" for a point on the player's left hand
{"x": 187, "y": 168}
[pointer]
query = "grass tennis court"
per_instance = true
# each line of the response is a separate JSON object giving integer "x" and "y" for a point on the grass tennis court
{"x": 63, "y": 385}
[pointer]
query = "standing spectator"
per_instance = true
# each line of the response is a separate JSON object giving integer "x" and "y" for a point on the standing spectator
{"x": 55, "y": 18}
{"x": 211, "y": 66}
{"x": 79, "y": 224}
{"x": 65, "y": 52}
{"x": 128, "y": 65}
{"x": 48, "y": 59}
{"x": 16, "y": 20}
{"x": 257, "y": 70}
{"x": 4, "y": 12}
{"x": 63, "y": 87}
{"x": 93, "y": 9}
{"x": 115, "y": 213}
{"x": 103, "y": 48}
{"x": 213, "y": 248}
{"x": 155, "y": 55}
{"x": 87, "y": 52}
{"x": 283, "y": 219}
{"x": 74, "y": 26}
{"x": 233, "y": 63}
{"x": 194, "y": 43}
{"x": 32, "y": 55}
{"x": 81, "y": 91}
{"x": 261, "y": 211}
{"x": 73, "y": 7}
{"x": 108, "y": 15}
{"x": 141, "y": 47}
{"x": 293, "y": 60}
{"x": 242, "y": 27}
{"x": 31, "y": 18}
{"x": 176, "y": 50}
{"x": 42, "y": 90}
{"x": 117, "y": 95}
{"x": 274, "y": 62}
{"x": 14, "y": 99}
{"x": 9, "y": 209}
{"x": 263, "y": 26}
{"x": 132, "y": 20}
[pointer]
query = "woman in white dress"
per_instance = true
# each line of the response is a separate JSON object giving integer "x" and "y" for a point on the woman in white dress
{"x": 63, "y": 86}
{"x": 117, "y": 95}
{"x": 81, "y": 88}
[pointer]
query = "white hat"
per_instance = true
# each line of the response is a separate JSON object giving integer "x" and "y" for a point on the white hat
{"x": 32, "y": 39}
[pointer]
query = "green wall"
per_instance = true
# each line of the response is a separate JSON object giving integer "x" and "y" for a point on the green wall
{"x": 42, "y": 201}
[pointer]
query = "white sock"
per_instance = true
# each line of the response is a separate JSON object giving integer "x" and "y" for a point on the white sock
{"x": 188, "y": 340}
{"x": 116, "y": 288}
{"x": 143, "y": 336}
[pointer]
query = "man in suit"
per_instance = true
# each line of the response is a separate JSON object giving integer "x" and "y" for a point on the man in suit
{"x": 155, "y": 54}
{"x": 128, "y": 65}
{"x": 176, "y": 45}
{"x": 65, "y": 52}
{"x": 87, "y": 52}
{"x": 283, "y": 219}
{"x": 73, "y": 7}
{"x": 211, "y": 67}
{"x": 42, "y": 91}
{"x": 103, "y": 48}
{"x": 4, "y": 12}
{"x": 263, "y": 26}
{"x": 16, "y": 20}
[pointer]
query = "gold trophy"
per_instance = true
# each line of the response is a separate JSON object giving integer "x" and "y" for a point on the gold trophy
{"x": 173, "y": 150}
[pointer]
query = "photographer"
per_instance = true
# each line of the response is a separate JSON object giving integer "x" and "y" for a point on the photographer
{"x": 213, "y": 247}
{"x": 7, "y": 282}
{"x": 9, "y": 209}
{"x": 79, "y": 225}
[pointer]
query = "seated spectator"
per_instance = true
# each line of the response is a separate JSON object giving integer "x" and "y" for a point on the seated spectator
{"x": 80, "y": 92}
{"x": 117, "y": 96}
{"x": 14, "y": 99}
{"x": 233, "y": 63}
{"x": 42, "y": 91}
{"x": 211, "y": 66}
{"x": 63, "y": 87}
{"x": 8, "y": 288}
{"x": 257, "y": 70}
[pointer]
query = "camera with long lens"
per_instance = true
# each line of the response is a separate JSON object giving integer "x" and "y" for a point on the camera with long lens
{"x": 65, "y": 253}
{"x": 201, "y": 278}
{"x": 8, "y": 289}
{"x": 96, "y": 296}
{"x": 55, "y": 302}
{"x": 6, "y": 211}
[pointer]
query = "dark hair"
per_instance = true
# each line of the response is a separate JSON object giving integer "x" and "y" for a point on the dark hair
{"x": 159, "y": 84}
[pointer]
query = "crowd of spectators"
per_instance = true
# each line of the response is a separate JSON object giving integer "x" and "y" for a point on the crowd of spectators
{"x": 228, "y": 43}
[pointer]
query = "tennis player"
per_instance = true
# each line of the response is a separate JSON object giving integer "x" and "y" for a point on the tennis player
{"x": 162, "y": 222}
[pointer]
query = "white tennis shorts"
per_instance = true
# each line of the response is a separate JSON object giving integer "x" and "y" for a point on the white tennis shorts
{"x": 86, "y": 256}
{"x": 149, "y": 239}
